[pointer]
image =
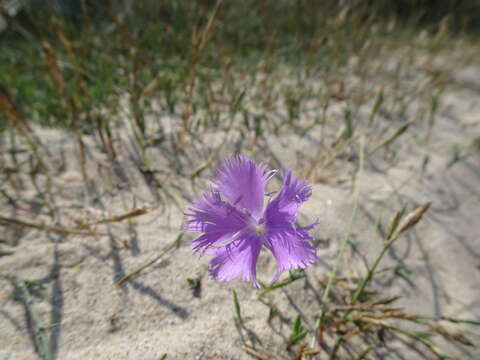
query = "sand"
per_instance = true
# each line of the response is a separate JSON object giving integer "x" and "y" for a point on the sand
{"x": 158, "y": 313}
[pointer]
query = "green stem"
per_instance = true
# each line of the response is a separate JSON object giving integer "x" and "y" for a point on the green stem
{"x": 368, "y": 278}
{"x": 137, "y": 272}
{"x": 41, "y": 340}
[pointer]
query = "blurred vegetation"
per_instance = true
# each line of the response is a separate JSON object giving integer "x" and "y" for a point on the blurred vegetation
{"x": 61, "y": 64}
{"x": 255, "y": 66}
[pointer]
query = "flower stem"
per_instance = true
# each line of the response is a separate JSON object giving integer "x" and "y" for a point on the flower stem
{"x": 333, "y": 272}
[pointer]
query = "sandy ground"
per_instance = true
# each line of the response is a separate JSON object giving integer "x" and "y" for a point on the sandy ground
{"x": 157, "y": 313}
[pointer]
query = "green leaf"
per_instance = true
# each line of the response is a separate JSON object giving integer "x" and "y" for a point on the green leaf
{"x": 349, "y": 128}
{"x": 294, "y": 276}
{"x": 403, "y": 271}
{"x": 238, "y": 313}
{"x": 298, "y": 332}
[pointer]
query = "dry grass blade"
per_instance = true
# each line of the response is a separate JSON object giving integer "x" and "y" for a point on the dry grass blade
{"x": 10, "y": 111}
{"x": 392, "y": 137}
{"x": 450, "y": 336}
{"x": 199, "y": 44}
{"x": 372, "y": 304}
{"x": 13, "y": 115}
{"x": 117, "y": 218}
{"x": 207, "y": 32}
{"x": 79, "y": 74}
{"x": 409, "y": 221}
{"x": 261, "y": 354}
{"x": 411, "y": 335}
{"x": 205, "y": 165}
{"x": 165, "y": 250}
{"x": 48, "y": 228}
{"x": 304, "y": 352}
{"x": 152, "y": 85}
{"x": 56, "y": 74}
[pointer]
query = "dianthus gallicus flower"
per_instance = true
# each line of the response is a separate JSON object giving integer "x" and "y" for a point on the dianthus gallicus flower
{"x": 235, "y": 224}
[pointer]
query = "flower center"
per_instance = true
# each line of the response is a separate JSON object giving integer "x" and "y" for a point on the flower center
{"x": 260, "y": 229}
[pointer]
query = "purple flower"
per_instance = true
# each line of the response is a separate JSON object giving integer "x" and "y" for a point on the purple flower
{"x": 235, "y": 224}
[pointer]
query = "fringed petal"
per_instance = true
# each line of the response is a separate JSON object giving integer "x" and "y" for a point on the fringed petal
{"x": 218, "y": 220}
{"x": 285, "y": 205}
{"x": 237, "y": 258}
{"x": 242, "y": 183}
{"x": 291, "y": 249}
